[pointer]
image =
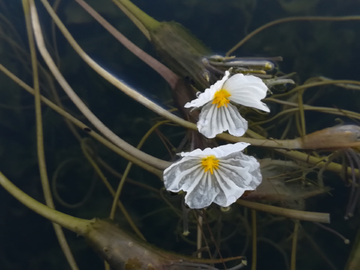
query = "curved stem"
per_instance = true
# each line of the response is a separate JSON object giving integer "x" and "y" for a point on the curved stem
{"x": 328, "y": 110}
{"x": 74, "y": 224}
{"x": 285, "y": 144}
{"x": 160, "y": 68}
{"x": 290, "y": 19}
{"x": 40, "y": 141}
{"x": 256, "y": 139}
{"x": 158, "y": 163}
{"x": 309, "y": 85}
{"x": 85, "y": 149}
{"x": 111, "y": 79}
{"x": 290, "y": 213}
{"x": 128, "y": 168}
{"x": 84, "y": 127}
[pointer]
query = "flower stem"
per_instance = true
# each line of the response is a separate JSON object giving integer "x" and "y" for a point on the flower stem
{"x": 290, "y": 213}
{"x": 40, "y": 140}
{"x": 74, "y": 224}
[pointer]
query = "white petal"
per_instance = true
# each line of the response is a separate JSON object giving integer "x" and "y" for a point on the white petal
{"x": 213, "y": 121}
{"x": 195, "y": 153}
{"x": 239, "y": 125}
{"x": 203, "y": 193}
{"x": 228, "y": 191}
{"x": 227, "y": 149}
{"x": 247, "y": 90}
{"x": 177, "y": 178}
{"x": 208, "y": 94}
{"x": 244, "y": 170}
{"x": 198, "y": 153}
{"x": 236, "y": 174}
{"x": 219, "y": 152}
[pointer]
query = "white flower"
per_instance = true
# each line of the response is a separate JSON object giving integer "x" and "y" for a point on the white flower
{"x": 219, "y": 114}
{"x": 220, "y": 175}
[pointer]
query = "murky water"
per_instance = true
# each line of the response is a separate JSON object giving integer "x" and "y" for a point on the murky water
{"x": 310, "y": 49}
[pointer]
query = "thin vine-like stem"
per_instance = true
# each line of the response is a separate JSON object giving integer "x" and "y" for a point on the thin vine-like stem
{"x": 160, "y": 68}
{"x": 53, "y": 33}
{"x": 287, "y": 144}
{"x": 310, "y": 85}
{"x": 294, "y": 245}
{"x": 111, "y": 79}
{"x": 84, "y": 127}
{"x": 256, "y": 139}
{"x": 290, "y": 213}
{"x": 40, "y": 141}
{"x": 54, "y": 184}
{"x": 128, "y": 168}
{"x": 85, "y": 149}
{"x": 199, "y": 231}
{"x": 77, "y": 225}
{"x": 23, "y": 56}
{"x": 319, "y": 250}
{"x": 290, "y": 19}
{"x": 254, "y": 239}
{"x": 155, "y": 162}
{"x": 302, "y": 113}
{"x": 334, "y": 111}
{"x": 119, "y": 175}
{"x": 306, "y": 158}
{"x": 74, "y": 224}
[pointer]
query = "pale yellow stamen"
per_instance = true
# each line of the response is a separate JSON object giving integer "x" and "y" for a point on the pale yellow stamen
{"x": 221, "y": 98}
{"x": 210, "y": 163}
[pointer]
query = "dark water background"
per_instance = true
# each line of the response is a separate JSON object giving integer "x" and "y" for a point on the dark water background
{"x": 27, "y": 241}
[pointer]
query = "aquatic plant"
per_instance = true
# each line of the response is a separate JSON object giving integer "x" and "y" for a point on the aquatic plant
{"x": 293, "y": 169}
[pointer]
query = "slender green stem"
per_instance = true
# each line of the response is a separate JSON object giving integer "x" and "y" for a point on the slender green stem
{"x": 334, "y": 111}
{"x": 155, "y": 162}
{"x": 302, "y": 113}
{"x": 320, "y": 252}
{"x": 40, "y": 140}
{"x": 160, "y": 68}
{"x": 256, "y": 139}
{"x": 128, "y": 167}
{"x": 111, "y": 79}
{"x": 254, "y": 239}
{"x": 290, "y": 213}
{"x": 84, "y": 127}
{"x": 74, "y": 224}
{"x": 89, "y": 157}
{"x": 285, "y": 144}
{"x": 310, "y": 85}
{"x": 294, "y": 245}
{"x": 290, "y": 19}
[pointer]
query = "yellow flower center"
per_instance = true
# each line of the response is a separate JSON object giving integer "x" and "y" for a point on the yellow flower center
{"x": 221, "y": 98}
{"x": 210, "y": 163}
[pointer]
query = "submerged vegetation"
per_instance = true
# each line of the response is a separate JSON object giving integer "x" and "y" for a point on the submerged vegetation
{"x": 102, "y": 152}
